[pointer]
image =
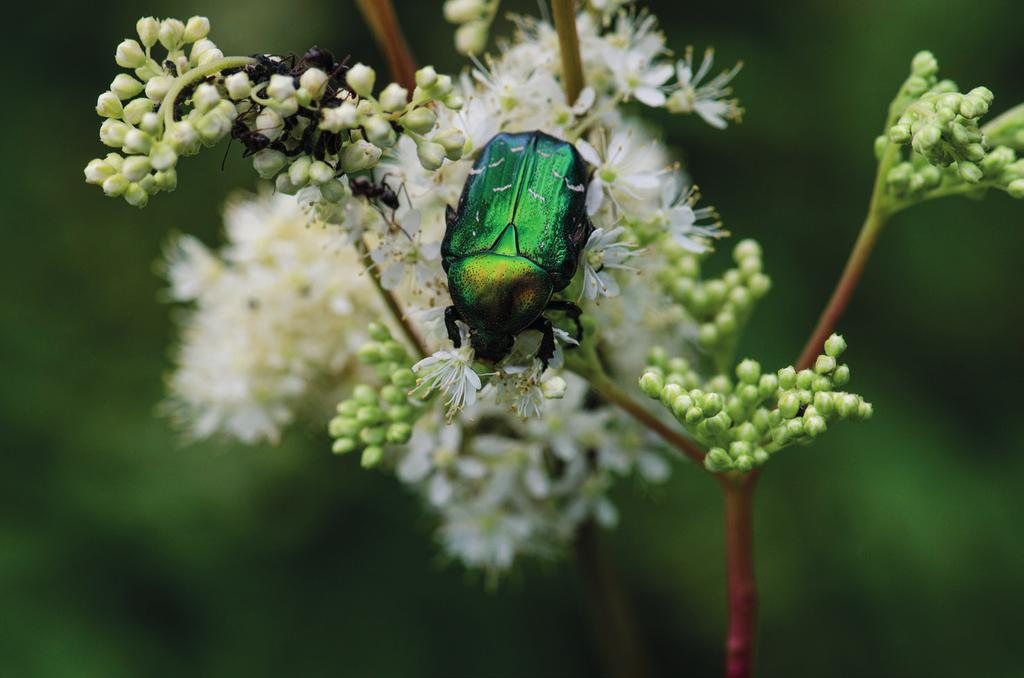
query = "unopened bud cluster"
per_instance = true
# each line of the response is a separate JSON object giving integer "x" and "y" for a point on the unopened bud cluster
{"x": 474, "y": 19}
{"x": 306, "y": 122}
{"x": 742, "y": 422}
{"x": 941, "y": 126}
{"x": 373, "y": 418}
{"x": 720, "y": 305}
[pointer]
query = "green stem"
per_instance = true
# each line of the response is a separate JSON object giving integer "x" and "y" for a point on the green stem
{"x": 569, "y": 43}
{"x": 189, "y": 77}
{"x": 390, "y": 300}
{"x": 616, "y": 395}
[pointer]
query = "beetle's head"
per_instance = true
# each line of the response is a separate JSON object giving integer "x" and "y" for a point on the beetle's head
{"x": 490, "y": 347}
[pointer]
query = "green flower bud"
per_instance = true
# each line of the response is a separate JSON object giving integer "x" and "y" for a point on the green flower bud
{"x": 113, "y": 132}
{"x": 651, "y": 384}
{"x": 814, "y": 426}
{"x": 924, "y": 64}
{"x": 1016, "y": 188}
{"x": 426, "y": 77}
{"x": 759, "y": 284}
{"x": 835, "y": 345}
{"x": 171, "y": 33}
{"x": 403, "y": 378}
{"x": 343, "y": 445}
{"x": 693, "y": 416}
{"x": 404, "y": 412}
{"x": 371, "y": 456}
{"x": 746, "y": 249}
{"x": 748, "y": 393}
{"x": 969, "y": 172}
{"x": 824, "y": 364}
{"x": 358, "y": 156}
{"x": 197, "y": 28}
{"x": 746, "y": 432}
{"x": 789, "y": 404}
{"x": 162, "y": 156}
{"x": 115, "y": 185}
{"x": 135, "y": 167}
{"x": 453, "y": 141}
{"x": 108, "y": 105}
{"x": 864, "y": 410}
{"x": 787, "y": 378}
{"x": 767, "y": 385}
{"x": 98, "y": 171}
{"x": 719, "y": 423}
{"x": 669, "y": 393}
{"x": 708, "y": 335}
{"x": 821, "y": 383}
{"x": 129, "y": 54}
{"x": 841, "y": 376}
{"x": 823, "y": 403}
{"x": 320, "y": 172}
{"x": 718, "y": 460}
{"x": 748, "y": 371}
{"x": 419, "y": 120}
{"x": 760, "y": 456}
{"x": 361, "y": 79}
{"x": 372, "y": 435}
{"x": 137, "y": 141}
{"x": 399, "y": 433}
{"x": 744, "y": 464}
{"x": 681, "y": 405}
{"x": 471, "y": 38}
{"x": 430, "y": 154}
{"x": 269, "y": 162}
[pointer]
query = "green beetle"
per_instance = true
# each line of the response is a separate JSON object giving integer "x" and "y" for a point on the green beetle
{"x": 514, "y": 241}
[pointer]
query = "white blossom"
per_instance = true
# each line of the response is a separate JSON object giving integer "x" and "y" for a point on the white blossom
{"x": 709, "y": 100}
{"x": 276, "y": 320}
{"x": 604, "y": 254}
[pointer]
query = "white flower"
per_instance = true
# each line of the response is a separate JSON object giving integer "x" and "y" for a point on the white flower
{"x": 631, "y": 53}
{"x": 709, "y": 100}
{"x": 519, "y": 388}
{"x": 687, "y": 226}
{"x": 484, "y": 536}
{"x": 628, "y": 171}
{"x": 279, "y": 314}
{"x": 602, "y": 255}
{"x": 451, "y": 373}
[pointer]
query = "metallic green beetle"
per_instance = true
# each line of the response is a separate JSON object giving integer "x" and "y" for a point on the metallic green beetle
{"x": 514, "y": 241}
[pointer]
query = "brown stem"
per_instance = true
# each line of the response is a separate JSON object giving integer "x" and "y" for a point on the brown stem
{"x": 380, "y": 16}
{"x": 741, "y": 586}
{"x": 614, "y": 394}
{"x": 569, "y": 43}
{"x": 390, "y": 300}
{"x": 612, "y": 620}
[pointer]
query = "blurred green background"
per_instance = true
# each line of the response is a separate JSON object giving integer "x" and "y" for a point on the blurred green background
{"x": 889, "y": 549}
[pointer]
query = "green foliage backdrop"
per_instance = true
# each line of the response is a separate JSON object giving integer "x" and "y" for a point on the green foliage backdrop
{"x": 891, "y": 549}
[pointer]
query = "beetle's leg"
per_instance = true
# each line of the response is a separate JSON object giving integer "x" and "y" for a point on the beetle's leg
{"x": 547, "y": 342}
{"x": 449, "y": 216}
{"x": 451, "y": 314}
{"x": 572, "y": 310}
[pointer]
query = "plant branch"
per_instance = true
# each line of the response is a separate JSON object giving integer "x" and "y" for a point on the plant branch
{"x": 569, "y": 43}
{"x": 390, "y": 300}
{"x": 380, "y": 16}
{"x": 170, "y": 99}
{"x": 741, "y": 587}
{"x": 615, "y": 394}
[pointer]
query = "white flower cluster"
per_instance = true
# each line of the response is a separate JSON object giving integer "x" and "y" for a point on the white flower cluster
{"x": 276, "y": 318}
{"x": 527, "y": 453}
{"x": 306, "y": 121}
{"x": 525, "y": 487}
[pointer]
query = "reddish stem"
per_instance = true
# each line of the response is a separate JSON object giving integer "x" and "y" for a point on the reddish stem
{"x": 740, "y": 584}
{"x": 380, "y": 16}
